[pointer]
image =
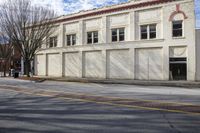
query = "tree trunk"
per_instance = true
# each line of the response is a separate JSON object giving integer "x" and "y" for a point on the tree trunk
{"x": 4, "y": 69}
{"x": 27, "y": 65}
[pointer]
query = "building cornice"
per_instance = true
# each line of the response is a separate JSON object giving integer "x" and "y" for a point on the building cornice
{"x": 111, "y": 10}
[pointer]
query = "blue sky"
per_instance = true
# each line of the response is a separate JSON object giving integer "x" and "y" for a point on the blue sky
{"x": 197, "y": 10}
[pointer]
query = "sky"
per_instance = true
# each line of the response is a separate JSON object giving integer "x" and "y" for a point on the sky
{"x": 63, "y": 7}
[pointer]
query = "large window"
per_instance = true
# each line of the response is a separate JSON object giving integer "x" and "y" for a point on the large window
{"x": 71, "y": 39}
{"x": 53, "y": 41}
{"x": 177, "y": 30}
{"x": 92, "y": 37}
{"x": 118, "y": 34}
{"x": 148, "y": 31}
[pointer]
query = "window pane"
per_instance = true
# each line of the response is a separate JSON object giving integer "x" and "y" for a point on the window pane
{"x": 121, "y": 31}
{"x": 114, "y": 38}
{"x": 89, "y": 37}
{"x": 50, "y": 42}
{"x": 144, "y": 28}
{"x": 95, "y": 34}
{"x": 152, "y": 30}
{"x": 143, "y": 32}
{"x": 95, "y": 37}
{"x": 89, "y": 34}
{"x": 114, "y": 35}
{"x": 68, "y": 40}
{"x": 55, "y": 41}
{"x": 177, "y": 24}
{"x": 177, "y": 28}
{"x": 121, "y": 34}
{"x": 95, "y": 40}
{"x": 121, "y": 37}
{"x": 73, "y": 39}
{"x": 114, "y": 32}
{"x": 143, "y": 35}
{"x": 152, "y": 35}
{"x": 177, "y": 33}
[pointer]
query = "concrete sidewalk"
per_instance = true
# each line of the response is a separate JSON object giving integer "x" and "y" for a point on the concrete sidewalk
{"x": 185, "y": 84}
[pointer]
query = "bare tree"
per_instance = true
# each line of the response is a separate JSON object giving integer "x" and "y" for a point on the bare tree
{"x": 6, "y": 50}
{"x": 27, "y": 26}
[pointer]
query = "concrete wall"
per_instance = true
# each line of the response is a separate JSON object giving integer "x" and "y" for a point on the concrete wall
{"x": 198, "y": 54}
{"x": 121, "y": 59}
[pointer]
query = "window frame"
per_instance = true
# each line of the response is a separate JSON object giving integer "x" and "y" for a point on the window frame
{"x": 172, "y": 29}
{"x": 93, "y": 37}
{"x": 146, "y": 26}
{"x": 148, "y": 32}
{"x": 155, "y": 32}
{"x": 54, "y": 41}
{"x": 71, "y": 41}
{"x": 118, "y": 34}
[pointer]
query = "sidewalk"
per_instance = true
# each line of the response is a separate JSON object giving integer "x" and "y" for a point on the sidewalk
{"x": 186, "y": 84}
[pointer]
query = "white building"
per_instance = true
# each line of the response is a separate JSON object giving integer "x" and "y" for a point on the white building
{"x": 140, "y": 39}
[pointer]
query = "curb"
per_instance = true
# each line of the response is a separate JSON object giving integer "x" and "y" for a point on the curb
{"x": 184, "y": 84}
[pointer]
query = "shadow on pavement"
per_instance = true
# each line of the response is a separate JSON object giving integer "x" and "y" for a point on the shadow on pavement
{"x": 30, "y": 114}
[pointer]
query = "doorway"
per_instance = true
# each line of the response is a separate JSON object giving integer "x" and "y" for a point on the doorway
{"x": 178, "y": 69}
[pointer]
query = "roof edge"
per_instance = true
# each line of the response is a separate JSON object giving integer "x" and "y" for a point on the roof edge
{"x": 114, "y": 9}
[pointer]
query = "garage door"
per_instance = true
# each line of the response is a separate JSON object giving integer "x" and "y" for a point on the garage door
{"x": 93, "y": 64}
{"x": 72, "y": 64}
{"x": 118, "y": 64}
{"x": 149, "y": 64}
{"x": 40, "y": 65}
{"x": 54, "y": 65}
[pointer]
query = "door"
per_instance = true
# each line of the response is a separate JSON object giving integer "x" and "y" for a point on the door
{"x": 149, "y": 64}
{"x": 178, "y": 69}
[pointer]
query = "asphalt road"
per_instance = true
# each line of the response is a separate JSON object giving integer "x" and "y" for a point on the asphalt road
{"x": 23, "y": 113}
{"x": 166, "y": 94}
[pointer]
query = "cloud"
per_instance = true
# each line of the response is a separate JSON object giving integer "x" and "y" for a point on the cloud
{"x": 72, "y": 6}
{"x": 57, "y": 5}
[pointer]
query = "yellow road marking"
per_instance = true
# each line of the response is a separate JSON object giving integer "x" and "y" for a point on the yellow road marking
{"x": 105, "y": 103}
{"x": 123, "y": 105}
{"x": 111, "y": 97}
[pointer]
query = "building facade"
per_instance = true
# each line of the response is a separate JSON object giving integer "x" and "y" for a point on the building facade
{"x": 140, "y": 39}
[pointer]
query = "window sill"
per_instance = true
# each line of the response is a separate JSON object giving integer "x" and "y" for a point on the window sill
{"x": 149, "y": 39}
{"x": 181, "y": 37}
{"x": 117, "y": 42}
{"x": 92, "y": 43}
{"x": 69, "y": 45}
